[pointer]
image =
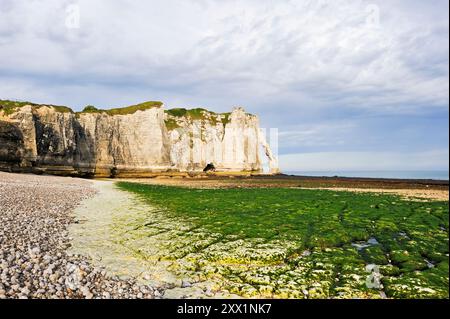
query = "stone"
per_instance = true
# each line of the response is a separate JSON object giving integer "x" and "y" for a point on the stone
{"x": 86, "y": 292}
{"x": 25, "y": 291}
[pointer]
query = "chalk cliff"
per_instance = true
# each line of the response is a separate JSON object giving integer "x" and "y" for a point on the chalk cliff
{"x": 141, "y": 140}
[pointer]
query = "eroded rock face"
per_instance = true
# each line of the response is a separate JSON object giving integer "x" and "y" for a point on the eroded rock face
{"x": 142, "y": 143}
{"x": 230, "y": 142}
{"x": 12, "y": 144}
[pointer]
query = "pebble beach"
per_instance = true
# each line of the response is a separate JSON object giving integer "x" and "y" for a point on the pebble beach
{"x": 35, "y": 212}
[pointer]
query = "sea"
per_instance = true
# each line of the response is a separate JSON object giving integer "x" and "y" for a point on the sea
{"x": 435, "y": 175}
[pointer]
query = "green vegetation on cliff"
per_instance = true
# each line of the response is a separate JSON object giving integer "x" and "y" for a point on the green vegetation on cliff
{"x": 226, "y": 118}
{"x": 90, "y": 109}
{"x": 171, "y": 124}
{"x": 9, "y": 107}
{"x": 178, "y": 112}
{"x": 296, "y": 243}
{"x": 193, "y": 114}
{"x": 124, "y": 110}
{"x": 197, "y": 114}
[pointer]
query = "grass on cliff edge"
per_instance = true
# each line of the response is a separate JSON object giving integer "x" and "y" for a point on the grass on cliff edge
{"x": 9, "y": 107}
{"x": 411, "y": 237}
{"x": 124, "y": 110}
{"x": 195, "y": 115}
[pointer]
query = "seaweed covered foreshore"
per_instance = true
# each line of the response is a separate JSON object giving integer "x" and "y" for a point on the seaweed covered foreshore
{"x": 222, "y": 237}
{"x": 285, "y": 242}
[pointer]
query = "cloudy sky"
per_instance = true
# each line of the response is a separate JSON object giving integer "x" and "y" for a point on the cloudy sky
{"x": 350, "y": 84}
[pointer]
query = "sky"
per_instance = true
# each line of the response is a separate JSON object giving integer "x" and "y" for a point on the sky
{"x": 349, "y": 84}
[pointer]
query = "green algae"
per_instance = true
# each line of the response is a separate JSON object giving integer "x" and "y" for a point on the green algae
{"x": 292, "y": 243}
{"x": 196, "y": 114}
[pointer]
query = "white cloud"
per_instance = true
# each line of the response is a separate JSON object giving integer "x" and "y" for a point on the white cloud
{"x": 316, "y": 135}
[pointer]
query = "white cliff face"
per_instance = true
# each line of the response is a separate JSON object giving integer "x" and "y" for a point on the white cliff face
{"x": 23, "y": 119}
{"x": 240, "y": 142}
{"x": 133, "y": 142}
{"x": 144, "y": 142}
{"x": 230, "y": 142}
{"x": 54, "y": 135}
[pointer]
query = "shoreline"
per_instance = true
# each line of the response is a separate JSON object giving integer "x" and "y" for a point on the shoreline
{"x": 245, "y": 175}
{"x": 276, "y": 180}
{"x": 410, "y": 189}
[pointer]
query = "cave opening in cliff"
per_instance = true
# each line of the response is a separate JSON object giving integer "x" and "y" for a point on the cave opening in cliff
{"x": 209, "y": 168}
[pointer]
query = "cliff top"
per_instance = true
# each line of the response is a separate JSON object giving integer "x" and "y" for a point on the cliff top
{"x": 123, "y": 110}
{"x": 194, "y": 114}
{"x": 9, "y": 107}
